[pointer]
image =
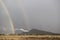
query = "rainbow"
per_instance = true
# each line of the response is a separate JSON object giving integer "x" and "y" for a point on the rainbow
{"x": 8, "y": 14}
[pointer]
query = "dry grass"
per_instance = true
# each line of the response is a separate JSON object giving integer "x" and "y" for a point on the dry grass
{"x": 29, "y": 37}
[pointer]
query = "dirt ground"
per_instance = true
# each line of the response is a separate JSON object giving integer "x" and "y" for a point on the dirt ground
{"x": 29, "y": 37}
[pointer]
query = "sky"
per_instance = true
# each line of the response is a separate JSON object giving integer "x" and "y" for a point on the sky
{"x": 38, "y": 14}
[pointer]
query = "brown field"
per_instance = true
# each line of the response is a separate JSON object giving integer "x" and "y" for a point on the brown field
{"x": 29, "y": 37}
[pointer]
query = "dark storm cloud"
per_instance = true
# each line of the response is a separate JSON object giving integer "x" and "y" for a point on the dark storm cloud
{"x": 43, "y": 14}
